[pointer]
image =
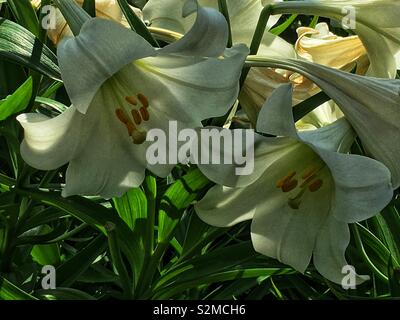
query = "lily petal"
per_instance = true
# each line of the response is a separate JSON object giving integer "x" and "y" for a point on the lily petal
{"x": 231, "y": 210}
{"x": 274, "y": 118}
{"x": 208, "y": 37}
{"x": 362, "y": 185}
{"x": 330, "y": 247}
{"x": 49, "y": 143}
{"x": 94, "y": 51}
{"x": 321, "y": 46}
{"x": 180, "y": 79}
{"x": 369, "y": 104}
{"x": 266, "y": 152}
{"x": 278, "y": 230}
{"x": 107, "y": 163}
{"x": 377, "y": 25}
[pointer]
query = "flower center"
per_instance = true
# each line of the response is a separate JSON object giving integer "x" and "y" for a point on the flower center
{"x": 310, "y": 181}
{"x": 132, "y": 116}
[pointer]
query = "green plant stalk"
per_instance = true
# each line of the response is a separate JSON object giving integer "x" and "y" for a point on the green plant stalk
{"x": 116, "y": 257}
{"x": 257, "y": 38}
{"x": 223, "y": 8}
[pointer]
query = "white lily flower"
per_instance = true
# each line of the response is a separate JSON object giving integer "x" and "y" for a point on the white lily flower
{"x": 321, "y": 46}
{"x": 371, "y": 105}
{"x": 376, "y": 23}
{"x": 243, "y": 15}
{"x": 317, "y": 45}
{"x": 302, "y": 194}
{"x": 120, "y": 88}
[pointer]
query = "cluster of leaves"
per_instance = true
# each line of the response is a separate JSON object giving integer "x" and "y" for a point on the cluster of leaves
{"x": 148, "y": 244}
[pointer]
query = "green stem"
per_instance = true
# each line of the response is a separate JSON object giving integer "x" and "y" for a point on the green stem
{"x": 257, "y": 38}
{"x": 223, "y": 8}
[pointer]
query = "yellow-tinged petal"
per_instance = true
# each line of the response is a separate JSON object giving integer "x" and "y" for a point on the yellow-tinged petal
{"x": 321, "y": 46}
{"x": 106, "y": 9}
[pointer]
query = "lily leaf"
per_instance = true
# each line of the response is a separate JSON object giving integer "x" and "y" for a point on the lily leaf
{"x": 25, "y": 15}
{"x": 18, "y": 101}
{"x": 74, "y": 267}
{"x": 136, "y": 23}
{"x": 19, "y": 45}
{"x": 9, "y": 291}
{"x": 178, "y": 198}
{"x": 394, "y": 279}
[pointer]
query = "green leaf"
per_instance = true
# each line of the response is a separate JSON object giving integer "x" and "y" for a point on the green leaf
{"x": 47, "y": 254}
{"x": 176, "y": 200}
{"x": 132, "y": 206}
{"x": 60, "y": 107}
{"x": 9, "y": 291}
{"x": 12, "y": 76}
{"x": 18, "y": 101}
{"x": 282, "y": 27}
{"x": 136, "y": 23}
{"x": 198, "y": 235}
{"x": 25, "y": 15}
{"x": 19, "y": 45}
{"x": 209, "y": 263}
{"x": 96, "y": 216}
{"x": 230, "y": 263}
{"x": 384, "y": 233}
{"x": 69, "y": 271}
{"x": 64, "y": 294}
{"x": 394, "y": 279}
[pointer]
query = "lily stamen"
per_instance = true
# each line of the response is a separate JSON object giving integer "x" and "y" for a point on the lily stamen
{"x": 144, "y": 113}
{"x": 294, "y": 203}
{"x": 289, "y": 185}
{"x": 281, "y": 182}
{"x": 316, "y": 185}
{"x": 143, "y": 100}
{"x": 136, "y": 116}
{"x": 131, "y": 100}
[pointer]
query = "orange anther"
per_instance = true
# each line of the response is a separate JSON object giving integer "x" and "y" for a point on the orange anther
{"x": 131, "y": 128}
{"x": 121, "y": 116}
{"x": 281, "y": 182}
{"x": 131, "y": 100}
{"x": 136, "y": 116}
{"x": 144, "y": 113}
{"x": 309, "y": 172}
{"x": 143, "y": 100}
{"x": 289, "y": 185}
{"x": 316, "y": 185}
